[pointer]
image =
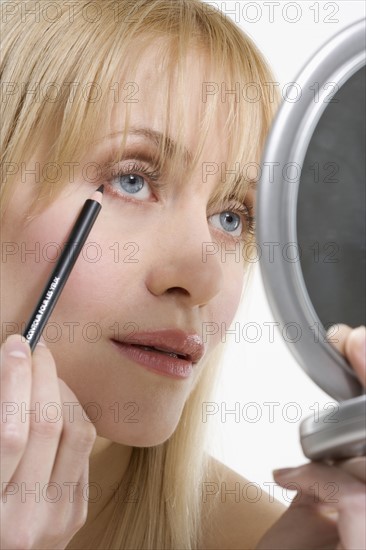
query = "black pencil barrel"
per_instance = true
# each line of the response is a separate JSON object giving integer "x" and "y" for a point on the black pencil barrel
{"x": 61, "y": 272}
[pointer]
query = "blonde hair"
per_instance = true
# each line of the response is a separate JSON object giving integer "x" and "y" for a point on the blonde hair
{"x": 93, "y": 48}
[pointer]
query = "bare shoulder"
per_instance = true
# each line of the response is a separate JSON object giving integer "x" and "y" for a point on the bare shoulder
{"x": 235, "y": 512}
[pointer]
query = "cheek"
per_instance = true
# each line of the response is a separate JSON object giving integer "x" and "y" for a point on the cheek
{"x": 35, "y": 252}
{"x": 102, "y": 289}
{"x": 26, "y": 270}
{"x": 226, "y": 305}
{"x": 86, "y": 284}
{"x": 233, "y": 293}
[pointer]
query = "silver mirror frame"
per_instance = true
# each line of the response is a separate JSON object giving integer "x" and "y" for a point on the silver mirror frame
{"x": 290, "y": 135}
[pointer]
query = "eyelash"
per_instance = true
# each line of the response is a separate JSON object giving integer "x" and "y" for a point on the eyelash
{"x": 138, "y": 169}
{"x": 238, "y": 207}
{"x": 153, "y": 177}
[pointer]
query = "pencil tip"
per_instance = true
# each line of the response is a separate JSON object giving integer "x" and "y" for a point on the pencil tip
{"x": 101, "y": 188}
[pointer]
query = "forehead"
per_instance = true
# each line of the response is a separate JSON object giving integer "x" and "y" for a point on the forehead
{"x": 150, "y": 105}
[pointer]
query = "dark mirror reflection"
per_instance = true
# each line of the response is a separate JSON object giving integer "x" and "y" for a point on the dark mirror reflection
{"x": 331, "y": 208}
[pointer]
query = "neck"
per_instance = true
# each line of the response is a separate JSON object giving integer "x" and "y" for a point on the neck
{"x": 107, "y": 466}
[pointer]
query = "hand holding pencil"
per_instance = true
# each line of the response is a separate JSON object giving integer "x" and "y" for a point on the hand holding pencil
{"x": 37, "y": 453}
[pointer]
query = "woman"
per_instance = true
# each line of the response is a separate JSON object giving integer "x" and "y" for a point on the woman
{"x": 131, "y": 95}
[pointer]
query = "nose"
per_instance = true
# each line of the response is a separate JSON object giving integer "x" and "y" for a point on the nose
{"x": 180, "y": 264}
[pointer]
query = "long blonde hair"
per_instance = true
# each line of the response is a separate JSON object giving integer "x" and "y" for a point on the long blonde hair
{"x": 79, "y": 45}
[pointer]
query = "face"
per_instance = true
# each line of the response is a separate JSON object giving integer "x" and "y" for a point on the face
{"x": 143, "y": 268}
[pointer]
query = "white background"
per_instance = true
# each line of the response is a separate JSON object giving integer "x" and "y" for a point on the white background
{"x": 251, "y": 441}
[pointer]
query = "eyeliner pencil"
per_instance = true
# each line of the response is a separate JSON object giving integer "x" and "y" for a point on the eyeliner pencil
{"x": 63, "y": 268}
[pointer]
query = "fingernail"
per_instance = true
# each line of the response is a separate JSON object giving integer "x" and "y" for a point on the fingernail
{"x": 283, "y": 472}
{"x": 42, "y": 342}
{"x": 331, "y": 332}
{"x": 359, "y": 335}
{"x": 17, "y": 346}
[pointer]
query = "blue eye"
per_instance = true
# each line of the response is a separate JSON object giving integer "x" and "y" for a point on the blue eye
{"x": 230, "y": 222}
{"x": 131, "y": 182}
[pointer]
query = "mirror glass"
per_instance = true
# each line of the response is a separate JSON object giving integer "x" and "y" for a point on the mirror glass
{"x": 331, "y": 229}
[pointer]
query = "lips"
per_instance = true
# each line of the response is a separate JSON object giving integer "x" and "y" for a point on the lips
{"x": 188, "y": 346}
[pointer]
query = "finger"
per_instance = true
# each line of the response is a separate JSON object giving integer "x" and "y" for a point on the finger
{"x": 77, "y": 440}
{"x": 326, "y": 484}
{"x": 332, "y": 488}
{"x": 356, "y": 352}
{"x": 355, "y": 466}
{"x": 351, "y": 343}
{"x": 78, "y": 514}
{"x": 72, "y": 509}
{"x": 337, "y": 335}
{"x": 45, "y": 422}
{"x": 78, "y": 509}
{"x": 16, "y": 382}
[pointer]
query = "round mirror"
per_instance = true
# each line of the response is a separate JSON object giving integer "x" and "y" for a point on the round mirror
{"x": 331, "y": 209}
{"x": 311, "y": 209}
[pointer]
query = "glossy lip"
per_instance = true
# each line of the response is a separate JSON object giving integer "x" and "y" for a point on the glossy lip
{"x": 176, "y": 341}
{"x": 187, "y": 346}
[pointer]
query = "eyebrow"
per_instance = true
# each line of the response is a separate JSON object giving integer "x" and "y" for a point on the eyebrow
{"x": 171, "y": 146}
{"x": 156, "y": 138}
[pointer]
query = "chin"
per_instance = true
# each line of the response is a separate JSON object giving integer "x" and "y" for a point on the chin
{"x": 138, "y": 435}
